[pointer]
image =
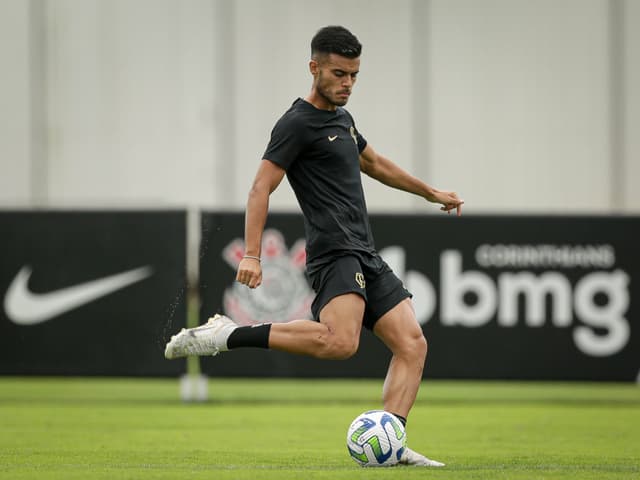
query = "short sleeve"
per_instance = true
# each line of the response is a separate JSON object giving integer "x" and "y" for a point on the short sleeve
{"x": 286, "y": 143}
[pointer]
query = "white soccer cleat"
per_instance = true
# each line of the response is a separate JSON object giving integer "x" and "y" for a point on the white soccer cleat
{"x": 208, "y": 339}
{"x": 411, "y": 458}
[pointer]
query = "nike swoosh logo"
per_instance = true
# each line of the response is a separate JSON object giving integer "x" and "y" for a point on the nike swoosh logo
{"x": 24, "y": 307}
{"x": 331, "y": 139}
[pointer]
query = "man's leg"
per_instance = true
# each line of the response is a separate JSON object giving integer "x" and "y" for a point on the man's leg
{"x": 401, "y": 333}
{"x": 336, "y": 336}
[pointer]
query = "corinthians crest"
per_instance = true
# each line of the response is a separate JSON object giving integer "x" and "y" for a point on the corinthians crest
{"x": 284, "y": 294}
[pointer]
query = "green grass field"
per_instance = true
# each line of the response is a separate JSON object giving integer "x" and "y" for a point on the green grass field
{"x": 293, "y": 429}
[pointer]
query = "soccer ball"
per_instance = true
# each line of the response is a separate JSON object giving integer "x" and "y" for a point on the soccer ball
{"x": 376, "y": 439}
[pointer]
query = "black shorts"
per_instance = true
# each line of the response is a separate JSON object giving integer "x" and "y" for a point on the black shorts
{"x": 363, "y": 274}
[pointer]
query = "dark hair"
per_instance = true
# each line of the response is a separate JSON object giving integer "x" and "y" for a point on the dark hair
{"x": 335, "y": 39}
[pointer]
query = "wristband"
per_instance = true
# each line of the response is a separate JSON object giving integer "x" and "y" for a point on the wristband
{"x": 252, "y": 257}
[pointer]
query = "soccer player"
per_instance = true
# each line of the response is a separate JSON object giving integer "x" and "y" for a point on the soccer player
{"x": 316, "y": 144}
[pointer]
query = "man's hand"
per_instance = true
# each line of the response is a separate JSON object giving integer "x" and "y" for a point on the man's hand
{"x": 449, "y": 201}
{"x": 249, "y": 272}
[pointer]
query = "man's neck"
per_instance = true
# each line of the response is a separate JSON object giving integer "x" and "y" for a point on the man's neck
{"x": 319, "y": 102}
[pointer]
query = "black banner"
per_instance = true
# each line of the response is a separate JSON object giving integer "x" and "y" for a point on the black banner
{"x": 91, "y": 293}
{"x": 499, "y": 297}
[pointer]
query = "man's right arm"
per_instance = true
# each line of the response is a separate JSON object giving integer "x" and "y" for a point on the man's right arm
{"x": 267, "y": 179}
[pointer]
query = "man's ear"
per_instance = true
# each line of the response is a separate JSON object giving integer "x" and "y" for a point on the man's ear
{"x": 313, "y": 67}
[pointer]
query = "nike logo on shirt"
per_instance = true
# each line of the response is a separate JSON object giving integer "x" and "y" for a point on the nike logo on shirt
{"x": 24, "y": 307}
{"x": 331, "y": 139}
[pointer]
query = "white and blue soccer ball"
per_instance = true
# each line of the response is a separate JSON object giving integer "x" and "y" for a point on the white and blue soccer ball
{"x": 376, "y": 439}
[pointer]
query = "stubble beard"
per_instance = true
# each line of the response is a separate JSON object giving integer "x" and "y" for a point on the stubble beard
{"x": 326, "y": 94}
{"x": 331, "y": 99}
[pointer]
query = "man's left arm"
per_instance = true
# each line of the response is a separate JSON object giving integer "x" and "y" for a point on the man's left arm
{"x": 384, "y": 170}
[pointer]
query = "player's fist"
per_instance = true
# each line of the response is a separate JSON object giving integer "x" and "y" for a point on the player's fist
{"x": 249, "y": 272}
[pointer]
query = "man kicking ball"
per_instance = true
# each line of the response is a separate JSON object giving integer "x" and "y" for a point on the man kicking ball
{"x": 317, "y": 145}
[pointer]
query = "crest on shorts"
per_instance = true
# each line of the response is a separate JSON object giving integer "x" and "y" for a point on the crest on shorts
{"x": 284, "y": 294}
{"x": 360, "y": 280}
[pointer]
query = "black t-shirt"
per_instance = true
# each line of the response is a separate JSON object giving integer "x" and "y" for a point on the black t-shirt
{"x": 320, "y": 150}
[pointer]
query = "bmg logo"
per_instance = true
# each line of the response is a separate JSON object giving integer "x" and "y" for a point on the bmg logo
{"x": 595, "y": 306}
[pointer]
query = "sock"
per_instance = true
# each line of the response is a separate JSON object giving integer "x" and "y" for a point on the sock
{"x": 402, "y": 419}
{"x": 250, "y": 336}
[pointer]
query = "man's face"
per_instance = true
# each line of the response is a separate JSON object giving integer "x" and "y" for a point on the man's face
{"x": 334, "y": 77}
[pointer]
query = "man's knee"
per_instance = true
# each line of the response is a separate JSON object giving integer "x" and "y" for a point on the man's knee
{"x": 414, "y": 344}
{"x": 342, "y": 317}
{"x": 421, "y": 344}
{"x": 339, "y": 347}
